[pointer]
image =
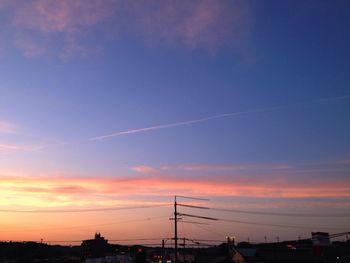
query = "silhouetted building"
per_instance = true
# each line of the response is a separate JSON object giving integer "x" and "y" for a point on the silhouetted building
{"x": 320, "y": 241}
{"x": 96, "y": 248}
{"x": 244, "y": 255}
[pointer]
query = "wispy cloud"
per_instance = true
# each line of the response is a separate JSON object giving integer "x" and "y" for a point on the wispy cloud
{"x": 205, "y": 24}
{"x": 16, "y": 139}
{"x": 145, "y": 169}
{"x": 30, "y": 47}
{"x": 226, "y": 167}
{"x": 7, "y": 127}
{"x": 60, "y": 16}
{"x": 49, "y": 25}
{"x": 43, "y": 26}
{"x": 255, "y": 180}
{"x": 104, "y": 188}
{"x": 10, "y": 148}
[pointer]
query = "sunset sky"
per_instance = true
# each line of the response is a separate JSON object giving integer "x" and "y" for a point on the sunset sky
{"x": 123, "y": 104}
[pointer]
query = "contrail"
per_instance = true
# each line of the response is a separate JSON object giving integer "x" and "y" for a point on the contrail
{"x": 219, "y": 116}
{"x": 169, "y": 125}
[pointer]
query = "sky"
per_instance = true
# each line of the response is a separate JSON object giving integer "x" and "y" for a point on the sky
{"x": 108, "y": 109}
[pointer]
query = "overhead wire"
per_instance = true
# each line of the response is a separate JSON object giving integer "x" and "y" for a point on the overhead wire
{"x": 84, "y": 210}
{"x": 188, "y": 215}
{"x": 277, "y": 225}
{"x": 278, "y": 213}
{"x": 267, "y": 213}
{"x": 257, "y": 223}
{"x": 87, "y": 226}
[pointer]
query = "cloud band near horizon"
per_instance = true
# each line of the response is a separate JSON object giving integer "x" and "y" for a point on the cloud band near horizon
{"x": 106, "y": 191}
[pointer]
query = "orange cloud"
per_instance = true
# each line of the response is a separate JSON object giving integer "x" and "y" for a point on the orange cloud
{"x": 66, "y": 192}
{"x": 105, "y": 191}
{"x": 144, "y": 169}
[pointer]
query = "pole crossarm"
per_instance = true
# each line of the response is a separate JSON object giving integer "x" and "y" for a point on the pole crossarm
{"x": 191, "y": 197}
{"x": 177, "y": 218}
{"x": 201, "y": 217}
{"x": 194, "y": 206}
{"x": 193, "y": 222}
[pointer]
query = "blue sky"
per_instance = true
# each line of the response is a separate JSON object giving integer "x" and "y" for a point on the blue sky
{"x": 71, "y": 72}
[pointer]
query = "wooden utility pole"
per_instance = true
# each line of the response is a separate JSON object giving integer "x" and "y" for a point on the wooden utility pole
{"x": 163, "y": 251}
{"x": 177, "y": 214}
{"x": 175, "y": 226}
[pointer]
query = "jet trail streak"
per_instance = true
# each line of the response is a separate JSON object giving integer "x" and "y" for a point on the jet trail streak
{"x": 219, "y": 116}
{"x": 169, "y": 125}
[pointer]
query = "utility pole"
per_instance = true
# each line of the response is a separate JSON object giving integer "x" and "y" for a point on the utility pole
{"x": 175, "y": 226}
{"x": 177, "y": 214}
{"x": 163, "y": 251}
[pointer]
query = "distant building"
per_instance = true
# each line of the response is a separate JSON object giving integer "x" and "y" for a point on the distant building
{"x": 124, "y": 259}
{"x": 244, "y": 255}
{"x": 218, "y": 254}
{"x": 320, "y": 242}
{"x": 95, "y": 249}
{"x": 320, "y": 239}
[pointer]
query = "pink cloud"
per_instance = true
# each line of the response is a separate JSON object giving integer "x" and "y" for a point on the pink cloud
{"x": 7, "y": 127}
{"x": 227, "y": 167}
{"x": 64, "y": 26}
{"x": 43, "y": 26}
{"x": 8, "y": 148}
{"x": 344, "y": 161}
{"x": 205, "y": 24}
{"x": 64, "y": 16}
{"x": 167, "y": 185}
{"x": 144, "y": 169}
{"x": 55, "y": 190}
{"x": 29, "y": 46}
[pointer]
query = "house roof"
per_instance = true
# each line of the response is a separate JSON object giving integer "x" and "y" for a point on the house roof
{"x": 247, "y": 252}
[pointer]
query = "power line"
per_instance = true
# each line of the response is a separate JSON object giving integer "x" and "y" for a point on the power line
{"x": 193, "y": 222}
{"x": 256, "y": 223}
{"x": 137, "y": 239}
{"x": 79, "y": 241}
{"x": 211, "y": 231}
{"x": 81, "y": 210}
{"x": 76, "y": 241}
{"x": 209, "y": 240}
{"x": 276, "y": 225}
{"x": 200, "y": 217}
{"x": 275, "y": 213}
{"x": 87, "y": 226}
{"x": 194, "y": 206}
{"x": 265, "y": 213}
{"x": 193, "y": 198}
